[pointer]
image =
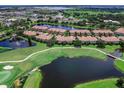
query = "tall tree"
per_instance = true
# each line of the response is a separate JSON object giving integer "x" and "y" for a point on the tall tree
{"x": 77, "y": 42}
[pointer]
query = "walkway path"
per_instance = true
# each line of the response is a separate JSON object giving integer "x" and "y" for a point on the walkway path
{"x": 42, "y": 51}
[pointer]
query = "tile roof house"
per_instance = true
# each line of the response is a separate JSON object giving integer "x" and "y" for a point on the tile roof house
{"x": 30, "y": 33}
{"x": 89, "y": 39}
{"x": 40, "y": 28}
{"x": 102, "y": 32}
{"x": 56, "y": 30}
{"x": 82, "y": 32}
{"x": 120, "y": 31}
{"x": 111, "y": 39}
{"x": 66, "y": 39}
{"x": 43, "y": 37}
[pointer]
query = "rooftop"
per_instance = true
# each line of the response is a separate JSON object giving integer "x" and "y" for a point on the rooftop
{"x": 102, "y": 31}
{"x": 110, "y": 39}
{"x": 87, "y": 38}
{"x": 30, "y": 33}
{"x": 120, "y": 30}
{"x": 63, "y": 38}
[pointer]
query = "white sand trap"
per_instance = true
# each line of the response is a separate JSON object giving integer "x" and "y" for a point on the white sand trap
{"x": 3, "y": 86}
{"x": 8, "y": 67}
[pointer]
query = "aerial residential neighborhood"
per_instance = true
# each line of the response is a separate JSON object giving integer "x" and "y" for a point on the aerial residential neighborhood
{"x": 62, "y": 46}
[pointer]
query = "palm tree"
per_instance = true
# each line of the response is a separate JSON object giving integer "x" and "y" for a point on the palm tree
{"x": 77, "y": 42}
{"x": 100, "y": 44}
{"x": 121, "y": 43}
{"x": 29, "y": 41}
{"x": 51, "y": 42}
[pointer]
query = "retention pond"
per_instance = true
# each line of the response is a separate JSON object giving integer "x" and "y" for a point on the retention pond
{"x": 67, "y": 72}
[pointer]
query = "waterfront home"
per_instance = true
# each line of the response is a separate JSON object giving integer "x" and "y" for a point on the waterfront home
{"x": 120, "y": 31}
{"x": 110, "y": 39}
{"x": 40, "y": 28}
{"x": 102, "y": 32}
{"x": 30, "y": 33}
{"x": 56, "y": 30}
{"x": 80, "y": 32}
{"x": 43, "y": 37}
{"x": 87, "y": 39}
{"x": 65, "y": 39}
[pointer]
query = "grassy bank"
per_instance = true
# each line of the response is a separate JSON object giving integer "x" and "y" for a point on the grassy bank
{"x": 119, "y": 65}
{"x": 21, "y": 53}
{"x": 105, "y": 83}
{"x": 2, "y": 49}
{"x": 33, "y": 80}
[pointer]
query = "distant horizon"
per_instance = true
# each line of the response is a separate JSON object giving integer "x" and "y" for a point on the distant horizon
{"x": 68, "y": 6}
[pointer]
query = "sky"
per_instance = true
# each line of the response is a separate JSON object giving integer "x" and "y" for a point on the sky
{"x": 61, "y": 2}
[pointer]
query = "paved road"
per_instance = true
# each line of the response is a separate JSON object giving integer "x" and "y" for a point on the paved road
{"x": 42, "y": 51}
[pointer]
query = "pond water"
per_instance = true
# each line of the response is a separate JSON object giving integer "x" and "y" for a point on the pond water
{"x": 58, "y": 26}
{"x": 66, "y": 72}
{"x": 15, "y": 44}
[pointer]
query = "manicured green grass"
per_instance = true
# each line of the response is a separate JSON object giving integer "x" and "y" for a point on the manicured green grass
{"x": 33, "y": 80}
{"x": 8, "y": 77}
{"x": 4, "y": 75}
{"x": 105, "y": 83}
{"x": 111, "y": 48}
{"x": 119, "y": 65}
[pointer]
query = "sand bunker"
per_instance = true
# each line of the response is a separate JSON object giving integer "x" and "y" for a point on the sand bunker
{"x": 8, "y": 67}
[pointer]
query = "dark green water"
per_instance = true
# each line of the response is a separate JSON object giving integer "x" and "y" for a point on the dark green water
{"x": 66, "y": 72}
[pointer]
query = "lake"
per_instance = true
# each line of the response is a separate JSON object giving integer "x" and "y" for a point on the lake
{"x": 67, "y": 72}
{"x": 58, "y": 26}
{"x": 15, "y": 44}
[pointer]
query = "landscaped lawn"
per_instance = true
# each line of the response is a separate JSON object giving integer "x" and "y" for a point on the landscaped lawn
{"x": 4, "y": 75}
{"x": 111, "y": 48}
{"x": 105, "y": 83}
{"x": 8, "y": 77}
{"x": 33, "y": 80}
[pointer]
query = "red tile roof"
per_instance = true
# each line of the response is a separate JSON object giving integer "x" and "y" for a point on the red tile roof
{"x": 87, "y": 38}
{"x": 120, "y": 31}
{"x": 102, "y": 31}
{"x": 110, "y": 39}
{"x": 44, "y": 36}
{"x": 66, "y": 39}
{"x": 56, "y": 30}
{"x": 29, "y": 33}
{"x": 80, "y": 31}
